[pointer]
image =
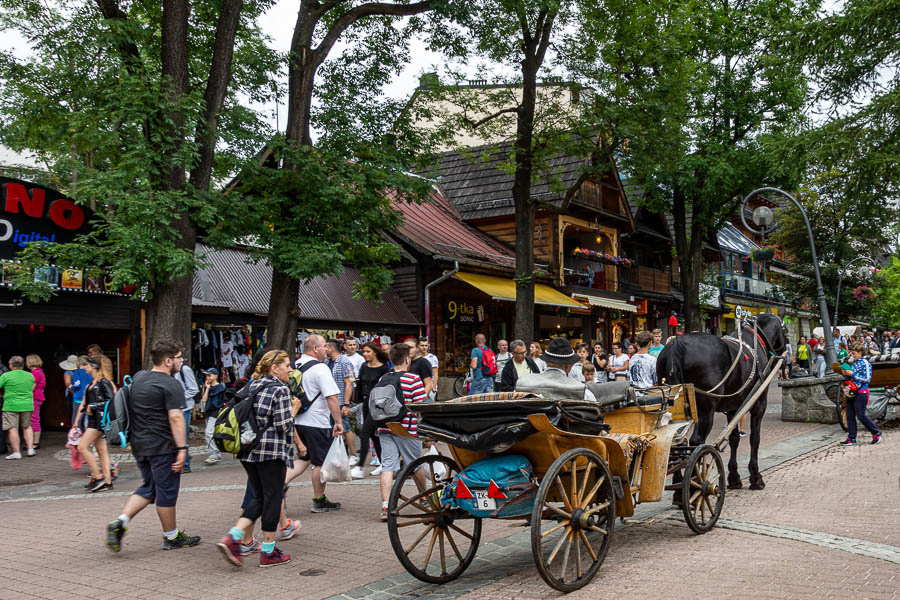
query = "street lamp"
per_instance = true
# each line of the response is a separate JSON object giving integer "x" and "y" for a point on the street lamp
{"x": 837, "y": 301}
{"x": 764, "y": 218}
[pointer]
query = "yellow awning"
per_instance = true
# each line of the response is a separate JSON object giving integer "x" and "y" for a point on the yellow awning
{"x": 608, "y": 303}
{"x": 505, "y": 289}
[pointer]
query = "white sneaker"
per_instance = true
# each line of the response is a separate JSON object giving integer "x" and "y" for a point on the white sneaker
{"x": 377, "y": 471}
{"x": 14, "y": 456}
{"x": 375, "y": 462}
{"x": 30, "y": 452}
{"x": 357, "y": 473}
{"x": 212, "y": 460}
{"x": 354, "y": 460}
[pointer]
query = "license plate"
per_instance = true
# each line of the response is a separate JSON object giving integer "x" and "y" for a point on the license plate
{"x": 483, "y": 502}
{"x": 892, "y": 408}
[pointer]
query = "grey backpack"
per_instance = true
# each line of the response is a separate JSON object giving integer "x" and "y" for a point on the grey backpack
{"x": 386, "y": 401}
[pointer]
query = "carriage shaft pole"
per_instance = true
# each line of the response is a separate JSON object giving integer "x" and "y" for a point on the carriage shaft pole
{"x": 763, "y": 387}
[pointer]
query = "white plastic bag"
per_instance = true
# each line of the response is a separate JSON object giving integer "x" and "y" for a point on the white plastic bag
{"x": 337, "y": 464}
{"x": 440, "y": 469}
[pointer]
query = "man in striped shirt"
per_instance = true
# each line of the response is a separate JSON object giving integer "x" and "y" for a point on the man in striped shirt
{"x": 394, "y": 447}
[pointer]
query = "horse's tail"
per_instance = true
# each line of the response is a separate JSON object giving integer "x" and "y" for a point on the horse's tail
{"x": 675, "y": 371}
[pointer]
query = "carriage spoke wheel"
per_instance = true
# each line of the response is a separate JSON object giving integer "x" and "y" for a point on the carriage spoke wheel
{"x": 703, "y": 489}
{"x": 434, "y": 543}
{"x": 833, "y": 392}
{"x": 573, "y": 519}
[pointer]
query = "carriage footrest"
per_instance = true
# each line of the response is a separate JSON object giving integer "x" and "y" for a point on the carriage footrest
{"x": 617, "y": 486}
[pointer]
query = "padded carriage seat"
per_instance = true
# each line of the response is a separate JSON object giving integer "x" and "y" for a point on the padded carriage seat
{"x": 610, "y": 392}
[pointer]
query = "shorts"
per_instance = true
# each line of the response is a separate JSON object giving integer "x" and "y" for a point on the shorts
{"x": 393, "y": 447}
{"x": 93, "y": 421}
{"x": 160, "y": 484}
{"x": 16, "y": 420}
{"x": 317, "y": 441}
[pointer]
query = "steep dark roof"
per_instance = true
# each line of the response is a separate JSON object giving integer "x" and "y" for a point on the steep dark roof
{"x": 231, "y": 282}
{"x": 478, "y": 181}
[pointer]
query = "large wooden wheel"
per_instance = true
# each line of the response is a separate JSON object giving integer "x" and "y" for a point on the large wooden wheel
{"x": 703, "y": 489}
{"x": 833, "y": 392}
{"x": 573, "y": 519}
{"x": 434, "y": 543}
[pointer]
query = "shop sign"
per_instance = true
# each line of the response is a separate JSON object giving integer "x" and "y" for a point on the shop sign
{"x": 34, "y": 213}
{"x": 743, "y": 312}
{"x": 464, "y": 312}
{"x": 588, "y": 308}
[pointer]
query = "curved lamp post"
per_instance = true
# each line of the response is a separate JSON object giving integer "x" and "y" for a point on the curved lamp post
{"x": 837, "y": 300}
{"x": 764, "y": 219}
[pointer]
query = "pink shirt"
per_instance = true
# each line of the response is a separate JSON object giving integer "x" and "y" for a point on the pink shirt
{"x": 40, "y": 382}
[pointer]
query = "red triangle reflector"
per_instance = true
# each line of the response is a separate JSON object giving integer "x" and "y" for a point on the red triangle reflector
{"x": 461, "y": 490}
{"x": 494, "y": 491}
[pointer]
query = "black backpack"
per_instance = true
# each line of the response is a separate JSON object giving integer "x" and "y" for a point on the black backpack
{"x": 387, "y": 404}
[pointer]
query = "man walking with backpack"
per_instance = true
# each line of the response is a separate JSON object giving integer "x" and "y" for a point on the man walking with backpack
{"x": 157, "y": 441}
{"x": 188, "y": 381}
{"x": 484, "y": 367}
{"x": 408, "y": 388}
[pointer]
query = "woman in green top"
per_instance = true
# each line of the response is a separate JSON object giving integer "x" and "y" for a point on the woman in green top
{"x": 18, "y": 404}
{"x": 803, "y": 353}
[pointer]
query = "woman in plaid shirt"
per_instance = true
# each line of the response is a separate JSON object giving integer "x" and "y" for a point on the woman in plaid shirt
{"x": 267, "y": 462}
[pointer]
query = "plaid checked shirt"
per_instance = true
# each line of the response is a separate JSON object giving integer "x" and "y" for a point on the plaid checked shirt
{"x": 273, "y": 414}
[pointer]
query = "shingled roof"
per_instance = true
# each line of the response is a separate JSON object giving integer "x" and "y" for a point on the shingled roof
{"x": 478, "y": 181}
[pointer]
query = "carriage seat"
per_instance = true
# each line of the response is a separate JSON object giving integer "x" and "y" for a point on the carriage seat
{"x": 610, "y": 392}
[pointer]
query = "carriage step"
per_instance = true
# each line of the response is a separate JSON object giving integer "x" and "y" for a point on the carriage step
{"x": 617, "y": 486}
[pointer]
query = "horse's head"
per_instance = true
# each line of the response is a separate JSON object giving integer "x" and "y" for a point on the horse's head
{"x": 773, "y": 331}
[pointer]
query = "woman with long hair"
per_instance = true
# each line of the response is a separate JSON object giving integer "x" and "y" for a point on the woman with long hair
{"x": 274, "y": 409}
{"x": 534, "y": 351}
{"x": 99, "y": 391}
{"x": 34, "y": 364}
{"x": 375, "y": 366}
{"x": 618, "y": 362}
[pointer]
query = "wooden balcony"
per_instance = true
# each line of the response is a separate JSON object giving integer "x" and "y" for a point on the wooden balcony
{"x": 647, "y": 279}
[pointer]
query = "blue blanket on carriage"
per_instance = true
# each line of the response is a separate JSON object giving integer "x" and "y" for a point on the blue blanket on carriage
{"x": 498, "y": 486}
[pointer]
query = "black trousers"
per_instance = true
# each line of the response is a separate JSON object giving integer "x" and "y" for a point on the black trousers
{"x": 367, "y": 433}
{"x": 267, "y": 480}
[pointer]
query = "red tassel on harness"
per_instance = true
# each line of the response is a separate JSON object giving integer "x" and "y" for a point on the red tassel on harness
{"x": 746, "y": 357}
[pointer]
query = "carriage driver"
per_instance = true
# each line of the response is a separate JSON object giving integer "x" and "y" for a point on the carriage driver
{"x": 555, "y": 382}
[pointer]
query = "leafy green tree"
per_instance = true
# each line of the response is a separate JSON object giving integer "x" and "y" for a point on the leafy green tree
{"x": 887, "y": 290}
{"x": 694, "y": 99}
{"x": 128, "y": 103}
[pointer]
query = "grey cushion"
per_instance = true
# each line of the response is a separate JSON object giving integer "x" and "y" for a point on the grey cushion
{"x": 609, "y": 392}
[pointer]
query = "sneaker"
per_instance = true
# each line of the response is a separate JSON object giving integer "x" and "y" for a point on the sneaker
{"x": 288, "y": 531}
{"x": 114, "y": 533}
{"x": 247, "y": 549}
{"x": 374, "y": 462}
{"x": 377, "y": 472}
{"x": 743, "y": 434}
{"x": 354, "y": 460}
{"x": 114, "y": 471}
{"x": 91, "y": 482}
{"x": 322, "y": 504}
{"x": 876, "y": 439}
{"x": 212, "y": 460}
{"x": 181, "y": 540}
{"x": 14, "y": 456}
{"x": 274, "y": 558}
{"x": 357, "y": 473}
{"x": 30, "y": 452}
{"x": 101, "y": 486}
{"x": 384, "y": 513}
{"x": 231, "y": 550}
{"x": 849, "y": 442}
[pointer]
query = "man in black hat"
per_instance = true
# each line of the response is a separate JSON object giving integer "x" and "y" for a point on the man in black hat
{"x": 554, "y": 382}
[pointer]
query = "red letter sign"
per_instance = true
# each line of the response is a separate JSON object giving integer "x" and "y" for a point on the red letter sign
{"x": 17, "y": 195}
{"x": 64, "y": 212}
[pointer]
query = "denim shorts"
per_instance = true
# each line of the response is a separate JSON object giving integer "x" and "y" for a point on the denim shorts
{"x": 160, "y": 484}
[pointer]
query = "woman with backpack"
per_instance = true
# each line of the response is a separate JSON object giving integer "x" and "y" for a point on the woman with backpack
{"x": 99, "y": 391}
{"x": 266, "y": 464}
{"x": 375, "y": 366}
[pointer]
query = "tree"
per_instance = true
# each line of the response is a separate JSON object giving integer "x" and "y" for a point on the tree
{"x": 887, "y": 290}
{"x": 694, "y": 99}
{"x": 128, "y": 104}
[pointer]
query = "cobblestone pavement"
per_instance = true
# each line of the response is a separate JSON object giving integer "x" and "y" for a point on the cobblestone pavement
{"x": 825, "y": 526}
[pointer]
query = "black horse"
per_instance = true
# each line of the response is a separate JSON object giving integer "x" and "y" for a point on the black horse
{"x": 704, "y": 360}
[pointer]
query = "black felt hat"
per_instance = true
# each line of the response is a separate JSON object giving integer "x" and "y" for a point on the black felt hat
{"x": 559, "y": 351}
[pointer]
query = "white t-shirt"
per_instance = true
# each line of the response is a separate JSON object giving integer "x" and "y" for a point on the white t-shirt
{"x": 502, "y": 359}
{"x": 618, "y": 361}
{"x": 642, "y": 369}
{"x": 242, "y": 361}
{"x": 358, "y": 361}
{"x": 228, "y": 354}
{"x": 319, "y": 384}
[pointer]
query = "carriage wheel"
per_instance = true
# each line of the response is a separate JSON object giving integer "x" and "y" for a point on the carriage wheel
{"x": 459, "y": 386}
{"x": 434, "y": 543}
{"x": 703, "y": 489}
{"x": 833, "y": 393}
{"x": 573, "y": 519}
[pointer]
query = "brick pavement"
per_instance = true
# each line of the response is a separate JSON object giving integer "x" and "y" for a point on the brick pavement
{"x": 352, "y": 548}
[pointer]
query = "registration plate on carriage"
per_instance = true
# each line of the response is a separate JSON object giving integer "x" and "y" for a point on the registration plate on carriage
{"x": 483, "y": 502}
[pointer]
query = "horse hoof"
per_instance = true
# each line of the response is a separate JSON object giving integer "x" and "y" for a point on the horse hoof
{"x": 758, "y": 486}
{"x": 735, "y": 485}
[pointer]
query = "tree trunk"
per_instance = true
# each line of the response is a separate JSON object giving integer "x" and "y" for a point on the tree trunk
{"x": 282, "y": 322}
{"x": 525, "y": 206}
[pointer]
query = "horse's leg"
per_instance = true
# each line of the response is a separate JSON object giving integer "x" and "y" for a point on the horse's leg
{"x": 734, "y": 440}
{"x": 756, "y": 418}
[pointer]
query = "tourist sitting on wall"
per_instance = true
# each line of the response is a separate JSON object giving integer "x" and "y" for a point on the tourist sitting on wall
{"x": 521, "y": 364}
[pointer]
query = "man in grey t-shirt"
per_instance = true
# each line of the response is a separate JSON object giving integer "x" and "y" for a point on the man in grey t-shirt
{"x": 503, "y": 357}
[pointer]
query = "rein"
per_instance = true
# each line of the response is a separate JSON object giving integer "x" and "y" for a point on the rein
{"x": 757, "y": 339}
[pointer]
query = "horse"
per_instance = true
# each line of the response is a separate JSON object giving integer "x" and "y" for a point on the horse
{"x": 724, "y": 371}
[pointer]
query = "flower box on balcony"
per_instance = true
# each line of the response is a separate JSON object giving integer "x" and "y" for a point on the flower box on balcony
{"x": 763, "y": 254}
{"x": 602, "y": 257}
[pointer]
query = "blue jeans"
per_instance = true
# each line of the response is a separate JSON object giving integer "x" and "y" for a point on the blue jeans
{"x": 187, "y": 436}
{"x": 482, "y": 386}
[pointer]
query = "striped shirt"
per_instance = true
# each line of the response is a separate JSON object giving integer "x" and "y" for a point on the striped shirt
{"x": 413, "y": 391}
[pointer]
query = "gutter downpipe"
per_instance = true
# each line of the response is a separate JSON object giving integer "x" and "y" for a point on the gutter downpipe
{"x": 447, "y": 275}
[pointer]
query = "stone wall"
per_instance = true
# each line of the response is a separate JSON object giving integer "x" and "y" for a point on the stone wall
{"x": 805, "y": 399}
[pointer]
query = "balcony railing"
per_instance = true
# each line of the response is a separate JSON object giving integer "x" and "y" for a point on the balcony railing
{"x": 747, "y": 286}
{"x": 601, "y": 280}
{"x": 646, "y": 279}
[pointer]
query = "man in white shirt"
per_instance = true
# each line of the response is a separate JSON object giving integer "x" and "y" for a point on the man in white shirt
{"x": 424, "y": 348}
{"x": 350, "y": 347}
{"x": 503, "y": 357}
{"x": 642, "y": 366}
{"x": 314, "y": 427}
